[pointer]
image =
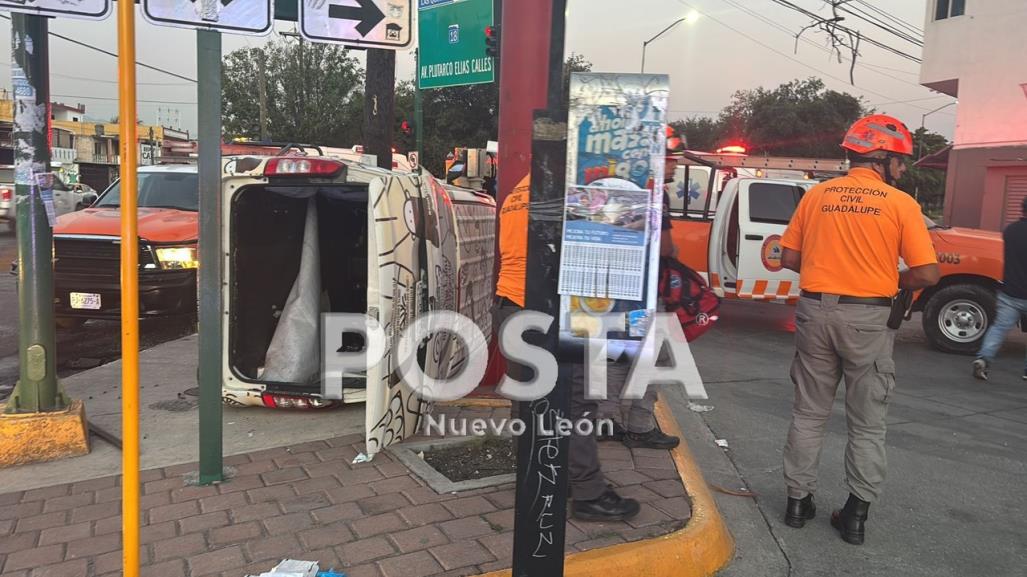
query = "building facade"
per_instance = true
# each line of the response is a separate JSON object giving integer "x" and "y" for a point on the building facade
{"x": 88, "y": 151}
{"x": 976, "y": 51}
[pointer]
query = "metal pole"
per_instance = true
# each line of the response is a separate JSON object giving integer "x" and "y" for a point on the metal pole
{"x": 419, "y": 109}
{"x": 379, "y": 104}
{"x": 540, "y": 509}
{"x": 208, "y": 70}
{"x": 37, "y": 389}
{"x": 658, "y": 34}
{"x": 129, "y": 289}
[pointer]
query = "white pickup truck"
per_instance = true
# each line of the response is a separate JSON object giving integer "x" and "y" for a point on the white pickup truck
{"x": 730, "y": 231}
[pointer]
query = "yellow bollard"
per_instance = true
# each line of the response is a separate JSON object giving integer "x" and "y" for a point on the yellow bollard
{"x": 129, "y": 290}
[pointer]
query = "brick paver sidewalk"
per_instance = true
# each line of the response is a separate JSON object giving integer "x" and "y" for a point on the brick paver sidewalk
{"x": 309, "y": 502}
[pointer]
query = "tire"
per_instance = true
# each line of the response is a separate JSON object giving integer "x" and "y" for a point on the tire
{"x": 956, "y": 318}
{"x": 69, "y": 323}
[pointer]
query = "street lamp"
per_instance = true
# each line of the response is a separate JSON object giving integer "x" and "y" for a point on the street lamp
{"x": 923, "y": 119}
{"x": 691, "y": 17}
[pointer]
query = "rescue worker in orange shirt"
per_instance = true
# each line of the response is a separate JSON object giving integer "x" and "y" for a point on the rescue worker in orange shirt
{"x": 594, "y": 500}
{"x": 845, "y": 241}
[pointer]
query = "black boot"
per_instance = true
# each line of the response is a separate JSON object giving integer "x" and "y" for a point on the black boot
{"x": 608, "y": 507}
{"x": 799, "y": 511}
{"x": 654, "y": 439}
{"x": 850, "y": 520}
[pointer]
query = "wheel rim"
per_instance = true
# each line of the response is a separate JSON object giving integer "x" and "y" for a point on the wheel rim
{"x": 963, "y": 321}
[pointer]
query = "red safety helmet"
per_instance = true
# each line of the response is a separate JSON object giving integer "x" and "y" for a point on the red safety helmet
{"x": 879, "y": 132}
{"x": 675, "y": 144}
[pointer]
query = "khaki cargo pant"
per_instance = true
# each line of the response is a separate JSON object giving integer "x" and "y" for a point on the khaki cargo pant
{"x": 835, "y": 342}
{"x": 635, "y": 415}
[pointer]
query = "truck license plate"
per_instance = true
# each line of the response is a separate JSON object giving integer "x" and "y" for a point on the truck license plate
{"x": 90, "y": 301}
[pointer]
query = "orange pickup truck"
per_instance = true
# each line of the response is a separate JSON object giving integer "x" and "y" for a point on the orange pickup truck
{"x": 87, "y": 249}
{"x": 728, "y": 221}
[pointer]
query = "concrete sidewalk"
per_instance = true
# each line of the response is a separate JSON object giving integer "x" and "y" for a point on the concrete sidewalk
{"x": 168, "y": 420}
{"x": 293, "y": 491}
{"x": 308, "y": 501}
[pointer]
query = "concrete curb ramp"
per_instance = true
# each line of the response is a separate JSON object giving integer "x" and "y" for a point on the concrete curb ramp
{"x": 703, "y": 547}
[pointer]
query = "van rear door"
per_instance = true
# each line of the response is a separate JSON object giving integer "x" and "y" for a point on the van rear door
{"x": 764, "y": 209}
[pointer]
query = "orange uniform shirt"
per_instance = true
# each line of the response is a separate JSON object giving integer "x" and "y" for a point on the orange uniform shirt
{"x": 513, "y": 243}
{"x": 851, "y": 231}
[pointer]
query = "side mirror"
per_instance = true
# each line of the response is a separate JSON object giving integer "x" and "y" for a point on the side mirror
{"x": 88, "y": 199}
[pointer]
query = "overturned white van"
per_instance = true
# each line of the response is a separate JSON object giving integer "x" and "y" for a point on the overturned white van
{"x": 306, "y": 235}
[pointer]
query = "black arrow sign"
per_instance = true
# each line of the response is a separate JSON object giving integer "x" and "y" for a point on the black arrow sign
{"x": 368, "y": 13}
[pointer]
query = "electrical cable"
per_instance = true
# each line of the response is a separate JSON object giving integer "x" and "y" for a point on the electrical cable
{"x": 114, "y": 54}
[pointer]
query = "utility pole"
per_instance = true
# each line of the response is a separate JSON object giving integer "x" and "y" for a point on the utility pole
{"x": 379, "y": 105}
{"x": 532, "y": 78}
{"x": 262, "y": 89}
{"x": 37, "y": 390}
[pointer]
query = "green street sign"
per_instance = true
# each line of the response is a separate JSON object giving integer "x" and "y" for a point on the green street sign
{"x": 452, "y": 43}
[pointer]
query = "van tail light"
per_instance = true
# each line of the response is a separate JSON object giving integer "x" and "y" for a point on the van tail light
{"x": 5, "y": 194}
{"x": 299, "y": 166}
{"x": 273, "y": 401}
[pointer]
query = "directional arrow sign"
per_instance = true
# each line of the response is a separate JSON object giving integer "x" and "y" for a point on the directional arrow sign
{"x": 237, "y": 16}
{"x": 378, "y": 23}
{"x": 86, "y": 9}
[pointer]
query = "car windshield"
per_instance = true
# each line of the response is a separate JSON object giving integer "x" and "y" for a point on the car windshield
{"x": 178, "y": 190}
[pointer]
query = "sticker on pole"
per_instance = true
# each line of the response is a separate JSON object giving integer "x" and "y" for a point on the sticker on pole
{"x": 373, "y": 23}
{"x": 233, "y": 16}
{"x": 87, "y": 9}
{"x": 44, "y": 186}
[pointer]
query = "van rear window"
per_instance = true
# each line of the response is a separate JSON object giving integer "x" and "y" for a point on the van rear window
{"x": 773, "y": 203}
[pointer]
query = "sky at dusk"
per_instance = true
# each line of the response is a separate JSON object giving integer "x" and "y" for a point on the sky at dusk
{"x": 732, "y": 45}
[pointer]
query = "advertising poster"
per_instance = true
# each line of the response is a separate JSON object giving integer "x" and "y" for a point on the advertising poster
{"x": 615, "y": 160}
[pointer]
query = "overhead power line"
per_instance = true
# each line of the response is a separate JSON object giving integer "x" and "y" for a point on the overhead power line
{"x": 785, "y": 54}
{"x": 875, "y": 68}
{"x": 114, "y": 54}
{"x": 872, "y": 20}
{"x": 80, "y": 97}
{"x": 896, "y": 20}
{"x": 834, "y": 25}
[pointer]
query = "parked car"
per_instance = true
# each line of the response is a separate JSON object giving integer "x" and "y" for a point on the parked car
{"x": 87, "y": 250}
{"x": 67, "y": 197}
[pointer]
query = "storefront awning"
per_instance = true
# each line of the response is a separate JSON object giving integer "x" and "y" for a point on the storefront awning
{"x": 939, "y": 159}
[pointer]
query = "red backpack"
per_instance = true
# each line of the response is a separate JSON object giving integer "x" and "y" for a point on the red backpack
{"x": 687, "y": 295}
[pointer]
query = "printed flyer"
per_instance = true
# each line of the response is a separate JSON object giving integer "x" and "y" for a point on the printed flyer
{"x": 615, "y": 159}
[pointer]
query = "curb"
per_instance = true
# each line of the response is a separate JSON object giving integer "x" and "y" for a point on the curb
{"x": 703, "y": 547}
{"x": 477, "y": 403}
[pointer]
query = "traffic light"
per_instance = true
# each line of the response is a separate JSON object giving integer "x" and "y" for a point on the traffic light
{"x": 406, "y": 127}
{"x": 492, "y": 41}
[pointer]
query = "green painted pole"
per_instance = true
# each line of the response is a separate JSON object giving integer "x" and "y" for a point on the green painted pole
{"x": 37, "y": 389}
{"x": 419, "y": 109}
{"x": 208, "y": 69}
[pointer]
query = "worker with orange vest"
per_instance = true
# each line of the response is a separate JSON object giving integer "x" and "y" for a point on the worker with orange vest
{"x": 845, "y": 240}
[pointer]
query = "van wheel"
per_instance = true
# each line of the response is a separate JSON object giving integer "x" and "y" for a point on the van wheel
{"x": 69, "y": 323}
{"x": 956, "y": 318}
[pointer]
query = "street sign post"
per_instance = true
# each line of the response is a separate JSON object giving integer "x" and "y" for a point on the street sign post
{"x": 87, "y": 9}
{"x": 384, "y": 24}
{"x": 239, "y": 16}
{"x": 451, "y": 43}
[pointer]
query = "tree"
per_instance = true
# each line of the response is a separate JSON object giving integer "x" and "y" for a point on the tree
{"x": 700, "y": 133}
{"x": 926, "y": 184}
{"x": 462, "y": 116}
{"x": 800, "y": 118}
{"x": 313, "y": 93}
